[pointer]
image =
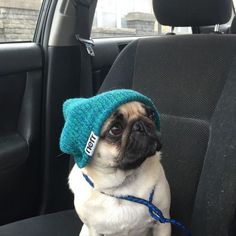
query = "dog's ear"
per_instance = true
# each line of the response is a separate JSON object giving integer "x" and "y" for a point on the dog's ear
{"x": 159, "y": 141}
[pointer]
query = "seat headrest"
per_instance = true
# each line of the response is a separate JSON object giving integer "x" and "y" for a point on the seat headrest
{"x": 192, "y": 12}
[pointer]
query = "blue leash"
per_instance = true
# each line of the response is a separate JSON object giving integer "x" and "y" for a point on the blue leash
{"x": 155, "y": 213}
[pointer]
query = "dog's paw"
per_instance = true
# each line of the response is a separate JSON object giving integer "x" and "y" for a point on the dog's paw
{"x": 162, "y": 229}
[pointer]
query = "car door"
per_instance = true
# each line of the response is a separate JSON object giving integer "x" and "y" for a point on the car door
{"x": 21, "y": 89}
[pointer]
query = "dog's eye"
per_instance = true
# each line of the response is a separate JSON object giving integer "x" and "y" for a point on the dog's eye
{"x": 151, "y": 115}
{"x": 116, "y": 129}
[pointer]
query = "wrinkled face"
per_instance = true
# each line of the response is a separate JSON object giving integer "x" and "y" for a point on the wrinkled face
{"x": 127, "y": 138}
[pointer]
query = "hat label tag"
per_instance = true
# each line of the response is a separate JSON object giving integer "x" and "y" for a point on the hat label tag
{"x": 91, "y": 144}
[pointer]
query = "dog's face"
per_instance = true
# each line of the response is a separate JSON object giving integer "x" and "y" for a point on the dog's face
{"x": 127, "y": 138}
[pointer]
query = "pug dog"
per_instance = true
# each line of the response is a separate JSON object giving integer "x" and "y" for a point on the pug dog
{"x": 126, "y": 161}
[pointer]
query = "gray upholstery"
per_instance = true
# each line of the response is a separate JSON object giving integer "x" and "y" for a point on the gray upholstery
{"x": 65, "y": 223}
{"x": 186, "y": 77}
{"x": 192, "y": 12}
{"x": 216, "y": 197}
{"x": 233, "y": 26}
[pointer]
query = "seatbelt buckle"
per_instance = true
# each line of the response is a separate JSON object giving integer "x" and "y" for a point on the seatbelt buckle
{"x": 88, "y": 43}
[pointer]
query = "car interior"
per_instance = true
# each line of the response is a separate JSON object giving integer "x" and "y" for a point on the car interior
{"x": 191, "y": 78}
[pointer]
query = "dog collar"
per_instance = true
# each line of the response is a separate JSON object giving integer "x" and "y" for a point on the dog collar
{"x": 155, "y": 212}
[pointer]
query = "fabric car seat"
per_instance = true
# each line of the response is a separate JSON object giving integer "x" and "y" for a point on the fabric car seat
{"x": 232, "y": 29}
{"x": 191, "y": 79}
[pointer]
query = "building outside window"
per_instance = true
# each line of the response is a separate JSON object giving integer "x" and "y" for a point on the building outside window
{"x": 18, "y": 19}
{"x": 113, "y": 18}
{"x": 120, "y": 18}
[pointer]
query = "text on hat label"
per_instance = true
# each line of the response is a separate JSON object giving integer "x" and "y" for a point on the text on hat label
{"x": 91, "y": 144}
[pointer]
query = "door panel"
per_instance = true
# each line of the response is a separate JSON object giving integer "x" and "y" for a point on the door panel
{"x": 106, "y": 51}
{"x": 20, "y": 130}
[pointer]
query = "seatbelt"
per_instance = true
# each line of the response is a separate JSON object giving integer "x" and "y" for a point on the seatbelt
{"x": 85, "y": 13}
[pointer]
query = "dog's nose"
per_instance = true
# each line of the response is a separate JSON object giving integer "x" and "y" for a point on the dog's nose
{"x": 139, "y": 126}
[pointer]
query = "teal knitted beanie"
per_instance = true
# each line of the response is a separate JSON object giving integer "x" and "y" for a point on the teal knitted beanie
{"x": 84, "y": 118}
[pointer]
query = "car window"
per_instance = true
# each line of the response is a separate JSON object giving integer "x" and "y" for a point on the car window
{"x": 120, "y": 18}
{"x": 18, "y": 19}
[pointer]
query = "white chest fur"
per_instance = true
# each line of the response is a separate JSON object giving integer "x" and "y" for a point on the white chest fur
{"x": 111, "y": 216}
